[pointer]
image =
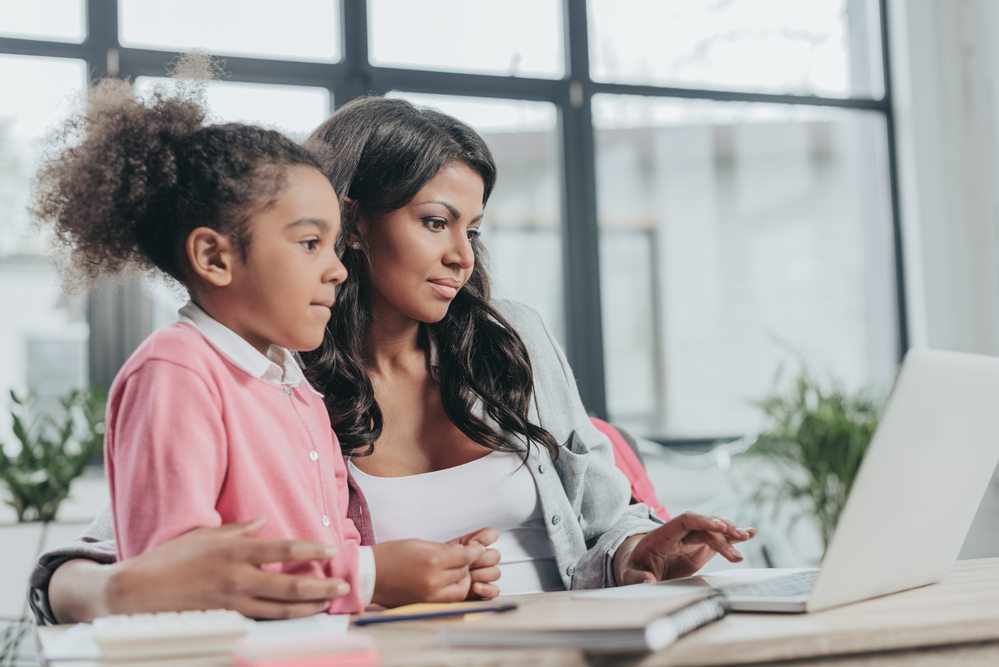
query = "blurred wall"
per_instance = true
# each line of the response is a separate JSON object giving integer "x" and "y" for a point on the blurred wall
{"x": 945, "y": 77}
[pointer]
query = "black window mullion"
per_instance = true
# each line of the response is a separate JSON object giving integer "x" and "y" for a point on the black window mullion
{"x": 580, "y": 233}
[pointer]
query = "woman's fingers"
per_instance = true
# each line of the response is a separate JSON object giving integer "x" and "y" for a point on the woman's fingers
{"x": 484, "y": 536}
{"x": 733, "y": 531}
{"x": 294, "y": 588}
{"x": 270, "y": 610}
{"x": 258, "y": 552}
{"x": 717, "y": 542}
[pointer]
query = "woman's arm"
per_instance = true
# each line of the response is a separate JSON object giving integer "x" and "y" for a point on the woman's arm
{"x": 209, "y": 568}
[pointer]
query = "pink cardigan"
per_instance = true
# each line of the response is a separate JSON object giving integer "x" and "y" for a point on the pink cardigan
{"x": 193, "y": 440}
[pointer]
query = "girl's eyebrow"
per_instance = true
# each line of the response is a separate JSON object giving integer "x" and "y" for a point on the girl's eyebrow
{"x": 323, "y": 225}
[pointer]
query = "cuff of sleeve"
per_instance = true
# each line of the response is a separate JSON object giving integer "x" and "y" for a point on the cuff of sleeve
{"x": 366, "y": 574}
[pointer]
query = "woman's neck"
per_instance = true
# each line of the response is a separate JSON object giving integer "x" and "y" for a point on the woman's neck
{"x": 392, "y": 342}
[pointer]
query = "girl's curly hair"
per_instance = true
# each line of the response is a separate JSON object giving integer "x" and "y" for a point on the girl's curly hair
{"x": 126, "y": 179}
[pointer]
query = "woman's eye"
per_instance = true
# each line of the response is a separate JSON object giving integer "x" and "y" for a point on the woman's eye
{"x": 310, "y": 244}
{"x": 435, "y": 224}
{"x": 474, "y": 234}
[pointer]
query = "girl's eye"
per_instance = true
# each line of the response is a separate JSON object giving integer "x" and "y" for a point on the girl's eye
{"x": 310, "y": 244}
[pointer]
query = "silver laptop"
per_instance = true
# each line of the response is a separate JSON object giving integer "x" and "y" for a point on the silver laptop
{"x": 914, "y": 497}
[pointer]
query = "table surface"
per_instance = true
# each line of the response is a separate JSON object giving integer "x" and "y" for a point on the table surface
{"x": 953, "y": 622}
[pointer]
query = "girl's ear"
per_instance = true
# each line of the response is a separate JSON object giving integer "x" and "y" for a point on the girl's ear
{"x": 212, "y": 256}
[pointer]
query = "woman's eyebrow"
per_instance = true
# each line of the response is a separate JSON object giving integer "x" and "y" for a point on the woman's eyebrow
{"x": 451, "y": 209}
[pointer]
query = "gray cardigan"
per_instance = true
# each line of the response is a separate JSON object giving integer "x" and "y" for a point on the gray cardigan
{"x": 584, "y": 497}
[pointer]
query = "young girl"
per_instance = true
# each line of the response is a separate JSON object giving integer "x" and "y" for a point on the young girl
{"x": 211, "y": 421}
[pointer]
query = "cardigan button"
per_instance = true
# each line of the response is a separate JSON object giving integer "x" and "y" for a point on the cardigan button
{"x": 556, "y": 519}
{"x": 570, "y": 570}
{"x": 287, "y": 391}
{"x": 542, "y": 469}
{"x": 314, "y": 455}
{"x": 326, "y": 520}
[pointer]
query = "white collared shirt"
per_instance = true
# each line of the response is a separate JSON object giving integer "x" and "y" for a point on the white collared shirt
{"x": 277, "y": 367}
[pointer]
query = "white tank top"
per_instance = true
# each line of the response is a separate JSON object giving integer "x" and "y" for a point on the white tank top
{"x": 495, "y": 490}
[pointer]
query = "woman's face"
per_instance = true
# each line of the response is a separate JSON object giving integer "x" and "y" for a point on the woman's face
{"x": 421, "y": 255}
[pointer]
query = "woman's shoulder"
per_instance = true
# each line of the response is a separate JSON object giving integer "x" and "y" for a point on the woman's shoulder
{"x": 524, "y": 319}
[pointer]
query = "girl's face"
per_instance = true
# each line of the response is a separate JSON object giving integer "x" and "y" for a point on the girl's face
{"x": 287, "y": 284}
{"x": 421, "y": 255}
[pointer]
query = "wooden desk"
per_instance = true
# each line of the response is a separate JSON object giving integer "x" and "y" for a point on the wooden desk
{"x": 955, "y": 622}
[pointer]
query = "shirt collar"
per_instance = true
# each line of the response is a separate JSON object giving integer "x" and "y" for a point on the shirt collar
{"x": 278, "y": 366}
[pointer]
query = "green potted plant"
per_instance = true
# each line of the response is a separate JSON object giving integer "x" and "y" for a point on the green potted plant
{"x": 54, "y": 450}
{"x": 815, "y": 437}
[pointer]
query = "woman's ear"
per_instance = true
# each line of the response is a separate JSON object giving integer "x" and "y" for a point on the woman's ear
{"x": 212, "y": 256}
{"x": 353, "y": 233}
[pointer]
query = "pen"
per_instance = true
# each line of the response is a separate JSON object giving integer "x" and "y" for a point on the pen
{"x": 370, "y": 620}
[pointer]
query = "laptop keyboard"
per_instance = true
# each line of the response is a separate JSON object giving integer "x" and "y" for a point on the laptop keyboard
{"x": 789, "y": 585}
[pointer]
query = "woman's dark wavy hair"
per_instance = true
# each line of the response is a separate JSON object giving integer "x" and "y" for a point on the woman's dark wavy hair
{"x": 380, "y": 153}
{"x": 127, "y": 179}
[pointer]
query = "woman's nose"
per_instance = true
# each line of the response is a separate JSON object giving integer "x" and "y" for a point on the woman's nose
{"x": 459, "y": 252}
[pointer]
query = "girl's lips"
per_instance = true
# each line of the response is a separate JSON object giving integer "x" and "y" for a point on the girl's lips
{"x": 445, "y": 287}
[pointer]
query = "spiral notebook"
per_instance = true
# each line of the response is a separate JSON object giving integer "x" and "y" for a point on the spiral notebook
{"x": 592, "y": 624}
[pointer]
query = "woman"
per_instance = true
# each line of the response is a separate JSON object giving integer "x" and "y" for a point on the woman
{"x": 440, "y": 394}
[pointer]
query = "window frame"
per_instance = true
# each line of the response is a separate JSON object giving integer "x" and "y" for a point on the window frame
{"x": 354, "y": 75}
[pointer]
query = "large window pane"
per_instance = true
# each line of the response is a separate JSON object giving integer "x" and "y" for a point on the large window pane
{"x": 43, "y": 336}
{"x": 294, "y": 110}
{"x": 58, "y": 20}
{"x": 737, "y": 239}
{"x": 522, "y": 221}
{"x": 820, "y": 47}
{"x": 292, "y": 29}
{"x": 514, "y": 38}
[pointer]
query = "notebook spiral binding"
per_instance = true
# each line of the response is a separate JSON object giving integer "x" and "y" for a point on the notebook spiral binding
{"x": 699, "y": 613}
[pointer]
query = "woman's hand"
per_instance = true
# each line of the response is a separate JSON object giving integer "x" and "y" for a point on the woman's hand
{"x": 678, "y": 548}
{"x": 208, "y": 568}
{"x": 409, "y": 571}
{"x": 483, "y": 571}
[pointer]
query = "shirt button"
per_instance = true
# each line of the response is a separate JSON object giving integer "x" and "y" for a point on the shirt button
{"x": 287, "y": 391}
{"x": 570, "y": 570}
{"x": 542, "y": 469}
{"x": 326, "y": 520}
{"x": 556, "y": 519}
{"x": 314, "y": 455}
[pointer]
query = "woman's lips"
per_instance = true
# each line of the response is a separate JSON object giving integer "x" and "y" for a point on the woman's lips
{"x": 446, "y": 287}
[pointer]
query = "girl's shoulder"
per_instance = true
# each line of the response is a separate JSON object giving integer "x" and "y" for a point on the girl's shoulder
{"x": 180, "y": 344}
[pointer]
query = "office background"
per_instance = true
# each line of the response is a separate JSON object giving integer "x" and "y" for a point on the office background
{"x": 696, "y": 196}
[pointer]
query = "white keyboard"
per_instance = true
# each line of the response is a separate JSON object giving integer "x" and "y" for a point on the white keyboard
{"x": 170, "y": 634}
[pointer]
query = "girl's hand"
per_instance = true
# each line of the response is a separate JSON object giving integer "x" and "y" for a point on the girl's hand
{"x": 411, "y": 571}
{"x": 678, "y": 548}
{"x": 208, "y": 568}
{"x": 484, "y": 570}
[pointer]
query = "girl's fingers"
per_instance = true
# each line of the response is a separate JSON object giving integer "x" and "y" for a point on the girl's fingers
{"x": 485, "y": 574}
{"x": 484, "y": 590}
{"x": 489, "y": 558}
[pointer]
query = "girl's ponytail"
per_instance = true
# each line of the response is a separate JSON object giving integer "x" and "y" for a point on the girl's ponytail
{"x": 127, "y": 179}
